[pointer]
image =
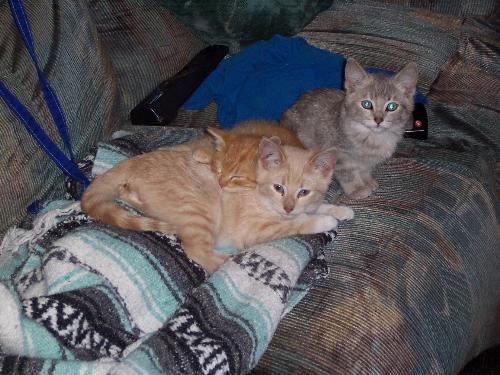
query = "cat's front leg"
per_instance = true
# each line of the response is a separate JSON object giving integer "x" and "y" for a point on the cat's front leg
{"x": 338, "y": 212}
{"x": 369, "y": 181}
{"x": 301, "y": 224}
{"x": 353, "y": 184}
{"x": 310, "y": 224}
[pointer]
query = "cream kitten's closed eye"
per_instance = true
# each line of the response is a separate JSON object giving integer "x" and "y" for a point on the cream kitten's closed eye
{"x": 233, "y": 156}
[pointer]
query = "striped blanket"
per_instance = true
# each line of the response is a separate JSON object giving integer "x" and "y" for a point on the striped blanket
{"x": 81, "y": 297}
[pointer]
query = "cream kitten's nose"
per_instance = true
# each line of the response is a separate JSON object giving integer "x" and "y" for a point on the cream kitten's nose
{"x": 288, "y": 209}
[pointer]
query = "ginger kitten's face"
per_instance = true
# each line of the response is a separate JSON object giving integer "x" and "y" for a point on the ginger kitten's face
{"x": 290, "y": 180}
{"x": 234, "y": 160}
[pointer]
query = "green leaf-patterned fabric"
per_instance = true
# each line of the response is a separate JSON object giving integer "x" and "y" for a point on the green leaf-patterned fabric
{"x": 237, "y": 23}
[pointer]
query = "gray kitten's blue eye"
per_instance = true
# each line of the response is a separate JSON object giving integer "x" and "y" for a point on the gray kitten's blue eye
{"x": 366, "y": 104}
{"x": 391, "y": 107}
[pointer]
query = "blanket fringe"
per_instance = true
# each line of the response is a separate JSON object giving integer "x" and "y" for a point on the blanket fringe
{"x": 15, "y": 237}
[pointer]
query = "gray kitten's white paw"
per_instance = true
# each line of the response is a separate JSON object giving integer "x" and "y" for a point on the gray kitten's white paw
{"x": 361, "y": 193}
{"x": 338, "y": 212}
{"x": 372, "y": 184}
{"x": 324, "y": 223}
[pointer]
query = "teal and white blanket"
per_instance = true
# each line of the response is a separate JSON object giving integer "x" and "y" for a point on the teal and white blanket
{"x": 81, "y": 297}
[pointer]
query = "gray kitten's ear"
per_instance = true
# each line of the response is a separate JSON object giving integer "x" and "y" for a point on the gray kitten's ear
{"x": 406, "y": 79}
{"x": 270, "y": 153}
{"x": 324, "y": 161}
{"x": 218, "y": 136}
{"x": 355, "y": 75}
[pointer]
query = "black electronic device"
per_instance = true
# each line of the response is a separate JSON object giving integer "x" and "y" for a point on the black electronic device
{"x": 161, "y": 106}
{"x": 420, "y": 123}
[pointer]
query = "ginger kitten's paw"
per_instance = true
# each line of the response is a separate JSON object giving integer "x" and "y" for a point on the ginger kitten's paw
{"x": 324, "y": 223}
{"x": 338, "y": 212}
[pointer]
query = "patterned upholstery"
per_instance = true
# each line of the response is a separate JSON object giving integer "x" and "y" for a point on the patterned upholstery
{"x": 413, "y": 283}
{"x": 386, "y": 36}
{"x": 81, "y": 76}
{"x": 145, "y": 43}
{"x": 452, "y": 7}
{"x": 123, "y": 50}
{"x": 474, "y": 68}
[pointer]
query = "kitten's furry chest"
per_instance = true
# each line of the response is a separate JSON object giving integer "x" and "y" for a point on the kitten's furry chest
{"x": 364, "y": 146}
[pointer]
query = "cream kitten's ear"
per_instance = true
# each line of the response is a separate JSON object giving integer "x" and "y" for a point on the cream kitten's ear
{"x": 270, "y": 153}
{"x": 355, "y": 75}
{"x": 406, "y": 79}
{"x": 324, "y": 161}
{"x": 219, "y": 137}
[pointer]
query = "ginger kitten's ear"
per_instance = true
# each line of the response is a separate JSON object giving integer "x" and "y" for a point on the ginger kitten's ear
{"x": 355, "y": 75}
{"x": 203, "y": 155}
{"x": 324, "y": 161}
{"x": 270, "y": 153}
{"x": 406, "y": 79}
{"x": 219, "y": 137}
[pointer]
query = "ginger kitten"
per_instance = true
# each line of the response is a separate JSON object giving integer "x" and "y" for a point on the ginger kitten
{"x": 364, "y": 124}
{"x": 178, "y": 195}
{"x": 234, "y": 157}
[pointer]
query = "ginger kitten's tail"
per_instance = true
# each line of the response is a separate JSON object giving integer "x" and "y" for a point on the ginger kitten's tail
{"x": 98, "y": 201}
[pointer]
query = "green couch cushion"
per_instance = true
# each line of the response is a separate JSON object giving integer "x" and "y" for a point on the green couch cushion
{"x": 147, "y": 45}
{"x": 474, "y": 68}
{"x": 387, "y": 36}
{"x": 238, "y": 23}
{"x": 452, "y": 7}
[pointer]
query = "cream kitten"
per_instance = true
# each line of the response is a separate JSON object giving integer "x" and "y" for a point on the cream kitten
{"x": 178, "y": 195}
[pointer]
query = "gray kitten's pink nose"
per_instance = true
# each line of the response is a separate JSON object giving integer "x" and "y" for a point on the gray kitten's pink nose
{"x": 378, "y": 119}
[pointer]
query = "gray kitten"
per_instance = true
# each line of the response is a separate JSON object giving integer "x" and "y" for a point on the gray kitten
{"x": 363, "y": 125}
